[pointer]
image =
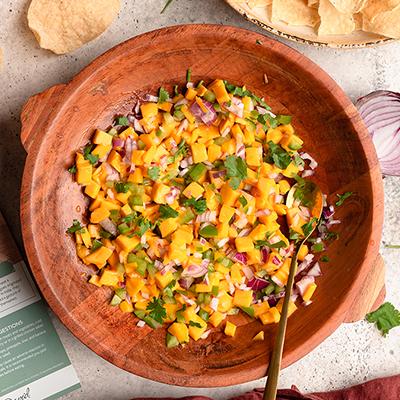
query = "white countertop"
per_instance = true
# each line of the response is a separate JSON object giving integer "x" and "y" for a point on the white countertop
{"x": 355, "y": 352}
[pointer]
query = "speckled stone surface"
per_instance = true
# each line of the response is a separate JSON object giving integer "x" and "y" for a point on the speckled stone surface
{"x": 355, "y": 352}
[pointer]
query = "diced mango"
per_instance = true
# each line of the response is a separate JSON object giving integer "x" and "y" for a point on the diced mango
{"x": 272, "y": 316}
{"x": 163, "y": 280}
{"x": 303, "y": 251}
{"x": 126, "y": 243}
{"x": 167, "y": 226}
{"x": 229, "y": 196}
{"x": 225, "y": 303}
{"x": 193, "y": 190}
{"x": 84, "y": 173}
{"x": 243, "y": 298}
{"x": 244, "y": 244}
{"x": 126, "y": 307}
{"x": 253, "y": 156}
{"x": 92, "y": 190}
{"x": 214, "y": 152}
{"x": 159, "y": 192}
{"x": 219, "y": 89}
{"x": 149, "y": 110}
{"x": 226, "y": 213}
{"x": 291, "y": 309}
{"x": 216, "y": 318}
{"x": 109, "y": 278}
{"x": 180, "y": 331}
{"x": 99, "y": 214}
{"x": 199, "y": 152}
{"x": 134, "y": 286}
{"x": 101, "y": 137}
{"x": 309, "y": 292}
{"x": 230, "y": 329}
{"x": 261, "y": 308}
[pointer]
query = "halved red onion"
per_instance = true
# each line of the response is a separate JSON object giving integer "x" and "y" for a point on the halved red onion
{"x": 206, "y": 117}
{"x": 381, "y": 113}
{"x": 109, "y": 226}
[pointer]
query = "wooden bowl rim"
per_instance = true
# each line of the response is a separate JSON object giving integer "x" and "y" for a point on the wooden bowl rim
{"x": 31, "y": 170}
{"x": 268, "y": 26}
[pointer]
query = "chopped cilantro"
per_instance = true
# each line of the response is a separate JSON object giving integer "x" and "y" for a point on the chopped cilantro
{"x": 262, "y": 243}
{"x": 309, "y": 226}
{"x": 318, "y": 247}
{"x": 236, "y": 170}
{"x": 72, "y": 169}
{"x": 284, "y": 119}
{"x": 242, "y": 92}
{"x": 324, "y": 259}
{"x": 92, "y": 158}
{"x": 199, "y": 206}
{"x": 122, "y": 121}
{"x": 75, "y": 227}
{"x": 153, "y": 173}
{"x": 280, "y": 157}
{"x": 385, "y": 317}
{"x": 331, "y": 235}
{"x": 167, "y": 211}
{"x": 163, "y": 95}
{"x": 342, "y": 198}
{"x": 299, "y": 162}
{"x": 104, "y": 234}
{"x": 143, "y": 225}
{"x": 129, "y": 218}
{"x": 293, "y": 235}
{"x": 181, "y": 150}
{"x": 157, "y": 310}
{"x": 168, "y": 289}
{"x": 122, "y": 187}
{"x": 193, "y": 323}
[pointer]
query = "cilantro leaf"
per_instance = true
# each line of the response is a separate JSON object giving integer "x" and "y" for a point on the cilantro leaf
{"x": 75, "y": 227}
{"x": 280, "y": 157}
{"x": 309, "y": 226}
{"x": 385, "y": 317}
{"x": 92, "y": 158}
{"x": 193, "y": 323}
{"x": 236, "y": 169}
{"x": 72, "y": 169}
{"x": 163, "y": 95}
{"x": 122, "y": 187}
{"x": 96, "y": 245}
{"x": 181, "y": 150}
{"x": 324, "y": 259}
{"x": 168, "y": 289}
{"x": 167, "y": 211}
{"x": 293, "y": 235}
{"x": 157, "y": 311}
{"x": 299, "y": 162}
{"x": 122, "y": 121}
{"x": 199, "y": 206}
{"x": 342, "y": 198}
{"x": 262, "y": 243}
{"x": 284, "y": 119}
{"x": 153, "y": 173}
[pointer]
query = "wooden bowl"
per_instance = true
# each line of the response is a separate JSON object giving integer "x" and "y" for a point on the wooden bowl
{"x": 305, "y": 34}
{"x": 60, "y": 120}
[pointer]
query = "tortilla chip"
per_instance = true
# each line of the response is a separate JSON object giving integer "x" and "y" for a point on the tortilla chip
{"x": 294, "y": 12}
{"x": 334, "y": 22}
{"x": 374, "y": 7}
{"x": 258, "y": 3}
{"x": 349, "y": 6}
{"x": 63, "y": 26}
{"x": 385, "y": 23}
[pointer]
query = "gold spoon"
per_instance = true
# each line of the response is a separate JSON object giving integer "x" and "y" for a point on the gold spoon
{"x": 311, "y": 197}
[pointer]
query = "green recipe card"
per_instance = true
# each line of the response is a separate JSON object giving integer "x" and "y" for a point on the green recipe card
{"x": 33, "y": 362}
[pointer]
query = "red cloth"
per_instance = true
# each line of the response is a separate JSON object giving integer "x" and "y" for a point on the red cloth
{"x": 377, "y": 389}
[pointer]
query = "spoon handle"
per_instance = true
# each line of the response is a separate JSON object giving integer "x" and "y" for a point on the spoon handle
{"x": 276, "y": 359}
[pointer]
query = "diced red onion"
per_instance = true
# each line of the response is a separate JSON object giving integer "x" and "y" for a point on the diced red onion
{"x": 183, "y": 172}
{"x": 205, "y": 334}
{"x": 194, "y": 271}
{"x": 118, "y": 142}
{"x": 214, "y": 303}
{"x": 158, "y": 264}
{"x": 206, "y": 117}
{"x": 306, "y": 156}
{"x": 137, "y": 126}
{"x": 248, "y": 272}
{"x": 305, "y": 263}
{"x": 222, "y": 242}
{"x": 208, "y": 216}
{"x": 381, "y": 113}
{"x": 109, "y": 226}
{"x": 264, "y": 111}
{"x": 333, "y": 222}
{"x": 110, "y": 194}
{"x": 304, "y": 283}
{"x": 151, "y": 98}
{"x": 264, "y": 254}
{"x": 240, "y": 150}
{"x": 183, "y": 126}
{"x": 186, "y": 282}
{"x": 240, "y": 257}
{"x": 260, "y": 213}
{"x": 136, "y": 109}
{"x": 225, "y": 132}
{"x": 188, "y": 301}
{"x": 236, "y": 107}
{"x": 112, "y": 173}
{"x": 315, "y": 270}
{"x": 257, "y": 283}
{"x": 274, "y": 298}
{"x": 276, "y": 261}
{"x": 141, "y": 323}
{"x": 328, "y": 212}
{"x": 244, "y": 232}
{"x": 306, "y": 173}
